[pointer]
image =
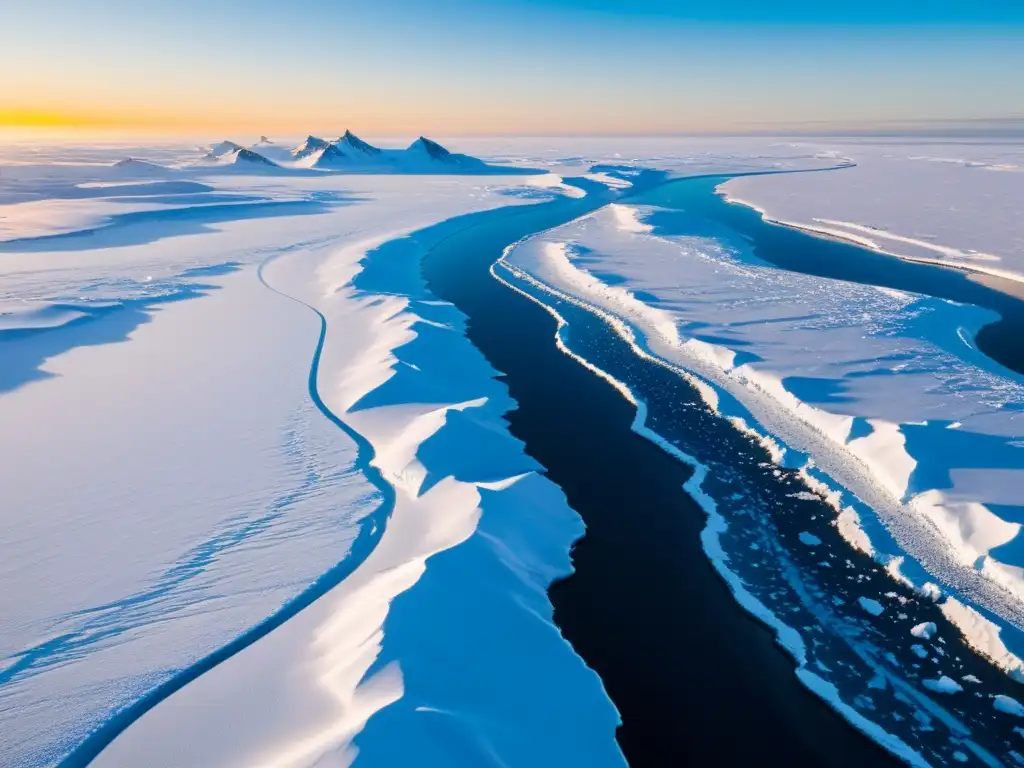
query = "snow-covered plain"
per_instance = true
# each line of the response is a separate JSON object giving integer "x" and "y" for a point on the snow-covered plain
{"x": 183, "y": 340}
{"x": 950, "y": 202}
{"x": 171, "y": 480}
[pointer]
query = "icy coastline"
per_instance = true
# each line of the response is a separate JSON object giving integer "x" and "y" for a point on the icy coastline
{"x": 335, "y": 681}
{"x": 862, "y": 450}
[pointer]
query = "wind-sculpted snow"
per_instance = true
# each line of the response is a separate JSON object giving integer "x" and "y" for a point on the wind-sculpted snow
{"x": 172, "y": 489}
{"x": 881, "y": 404}
{"x": 452, "y": 595}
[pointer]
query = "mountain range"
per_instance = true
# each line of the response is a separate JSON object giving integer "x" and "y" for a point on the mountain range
{"x": 346, "y": 153}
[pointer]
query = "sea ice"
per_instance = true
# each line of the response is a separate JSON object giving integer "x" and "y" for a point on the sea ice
{"x": 925, "y": 631}
{"x": 873, "y": 607}
{"x": 943, "y": 684}
{"x": 1008, "y": 705}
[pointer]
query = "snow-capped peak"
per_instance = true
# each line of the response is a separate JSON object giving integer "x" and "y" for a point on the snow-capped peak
{"x": 346, "y": 154}
{"x": 223, "y": 148}
{"x": 330, "y": 157}
{"x": 353, "y": 142}
{"x": 309, "y": 146}
{"x": 431, "y": 148}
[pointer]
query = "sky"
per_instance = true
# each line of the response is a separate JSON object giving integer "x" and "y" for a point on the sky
{"x": 506, "y": 67}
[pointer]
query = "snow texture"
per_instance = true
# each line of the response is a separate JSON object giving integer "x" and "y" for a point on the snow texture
{"x": 179, "y": 351}
{"x": 952, "y": 203}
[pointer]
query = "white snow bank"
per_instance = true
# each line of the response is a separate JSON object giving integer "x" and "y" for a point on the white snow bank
{"x": 898, "y": 199}
{"x": 983, "y": 636}
{"x": 608, "y": 180}
{"x": 848, "y": 525}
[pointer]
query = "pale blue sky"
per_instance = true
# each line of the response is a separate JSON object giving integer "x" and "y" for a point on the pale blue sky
{"x": 509, "y": 66}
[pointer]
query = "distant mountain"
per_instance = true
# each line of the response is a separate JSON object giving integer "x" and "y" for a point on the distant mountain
{"x": 311, "y": 145}
{"x": 349, "y": 154}
{"x": 272, "y": 151}
{"x": 424, "y": 147}
{"x": 330, "y": 157}
{"x": 430, "y": 148}
{"x": 132, "y": 167}
{"x": 218, "y": 151}
{"x": 243, "y": 156}
{"x": 351, "y": 145}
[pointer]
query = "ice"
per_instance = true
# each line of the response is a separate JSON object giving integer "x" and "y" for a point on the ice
{"x": 387, "y": 651}
{"x": 1008, "y": 705}
{"x": 872, "y": 606}
{"x": 949, "y": 203}
{"x": 856, "y": 388}
{"x": 925, "y": 631}
{"x": 943, "y": 684}
{"x": 809, "y": 539}
{"x": 862, "y": 381}
{"x": 717, "y": 529}
{"x": 984, "y": 635}
{"x": 805, "y": 496}
{"x": 848, "y": 525}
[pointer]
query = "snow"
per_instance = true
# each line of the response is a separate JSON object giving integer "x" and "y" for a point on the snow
{"x": 943, "y": 684}
{"x": 954, "y": 204}
{"x": 865, "y": 386}
{"x": 984, "y": 635}
{"x": 162, "y": 364}
{"x": 864, "y": 382}
{"x": 873, "y": 607}
{"x": 849, "y": 527}
{"x": 717, "y": 527}
{"x": 384, "y": 652}
{"x": 346, "y": 154}
{"x": 925, "y": 630}
{"x": 805, "y": 496}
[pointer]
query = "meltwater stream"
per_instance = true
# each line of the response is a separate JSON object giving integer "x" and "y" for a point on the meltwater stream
{"x": 694, "y": 678}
